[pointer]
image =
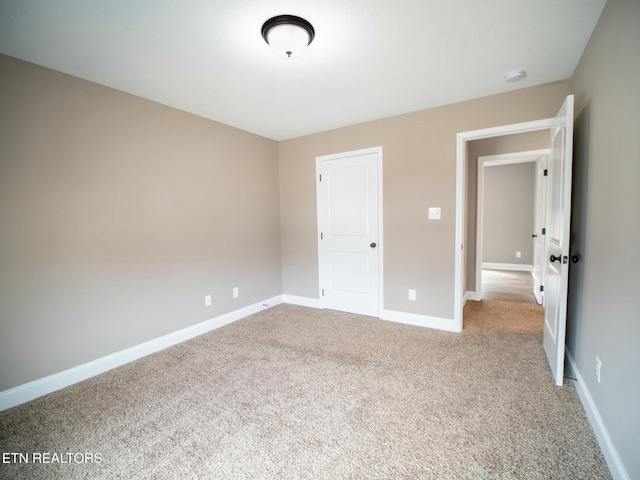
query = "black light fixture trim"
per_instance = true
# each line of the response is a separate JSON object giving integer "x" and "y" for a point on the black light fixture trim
{"x": 288, "y": 20}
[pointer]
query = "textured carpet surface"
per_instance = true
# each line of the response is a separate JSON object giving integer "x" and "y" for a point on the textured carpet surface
{"x": 297, "y": 393}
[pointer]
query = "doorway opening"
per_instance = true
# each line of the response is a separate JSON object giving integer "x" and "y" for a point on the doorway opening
{"x": 465, "y": 256}
{"x": 557, "y": 235}
{"x": 510, "y": 208}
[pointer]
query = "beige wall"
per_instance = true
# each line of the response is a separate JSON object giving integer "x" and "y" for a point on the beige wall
{"x": 508, "y": 209}
{"x": 117, "y": 217}
{"x": 419, "y": 151}
{"x": 603, "y": 313}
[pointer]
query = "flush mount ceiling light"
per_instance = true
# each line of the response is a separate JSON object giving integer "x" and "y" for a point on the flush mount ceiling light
{"x": 287, "y": 35}
{"x": 515, "y": 76}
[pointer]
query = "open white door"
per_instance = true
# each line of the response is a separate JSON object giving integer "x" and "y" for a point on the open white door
{"x": 539, "y": 221}
{"x": 349, "y": 223}
{"x": 557, "y": 239}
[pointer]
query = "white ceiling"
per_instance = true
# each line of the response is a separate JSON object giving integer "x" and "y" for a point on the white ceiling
{"x": 370, "y": 59}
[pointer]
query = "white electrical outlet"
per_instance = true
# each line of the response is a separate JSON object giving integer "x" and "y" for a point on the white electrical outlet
{"x": 236, "y": 292}
{"x": 412, "y": 294}
{"x": 518, "y": 254}
{"x": 598, "y": 367}
{"x": 207, "y": 301}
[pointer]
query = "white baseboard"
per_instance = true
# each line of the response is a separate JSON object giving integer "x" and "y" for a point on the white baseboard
{"x": 37, "y": 388}
{"x": 419, "y": 320}
{"x": 616, "y": 466}
{"x": 516, "y": 267}
{"x": 302, "y": 301}
{"x": 472, "y": 296}
{"x": 390, "y": 315}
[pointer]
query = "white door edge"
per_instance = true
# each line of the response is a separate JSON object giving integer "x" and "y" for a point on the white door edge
{"x": 554, "y": 336}
{"x": 335, "y": 156}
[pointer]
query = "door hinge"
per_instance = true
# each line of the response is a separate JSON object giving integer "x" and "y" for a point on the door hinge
{"x": 323, "y": 292}
{"x": 321, "y": 236}
{"x": 544, "y": 231}
{"x": 546, "y": 172}
{"x": 542, "y": 288}
{"x": 320, "y": 177}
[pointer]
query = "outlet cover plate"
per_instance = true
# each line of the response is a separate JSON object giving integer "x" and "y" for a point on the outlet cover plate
{"x": 435, "y": 213}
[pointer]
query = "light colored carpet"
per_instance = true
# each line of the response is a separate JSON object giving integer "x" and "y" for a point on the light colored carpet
{"x": 297, "y": 393}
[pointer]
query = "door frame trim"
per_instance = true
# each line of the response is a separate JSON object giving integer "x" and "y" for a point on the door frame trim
{"x": 530, "y": 156}
{"x": 380, "y": 242}
{"x": 461, "y": 159}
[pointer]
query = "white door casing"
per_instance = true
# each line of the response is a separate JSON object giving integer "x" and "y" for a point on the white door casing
{"x": 557, "y": 239}
{"x": 349, "y": 193}
{"x": 539, "y": 230}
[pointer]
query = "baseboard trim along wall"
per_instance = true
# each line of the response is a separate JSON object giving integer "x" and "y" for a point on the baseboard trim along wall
{"x": 446, "y": 324}
{"x": 472, "y": 296}
{"x": 37, "y": 388}
{"x": 516, "y": 267}
{"x": 389, "y": 315}
{"x": 616, "y": 466}
{"x": 301, "y": 301}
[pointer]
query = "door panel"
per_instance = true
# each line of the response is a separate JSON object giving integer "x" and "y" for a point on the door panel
{"x": 350, "y": 273}
{"x": 556, "y": 276}
{"x": 350, "y": 197}
{"x": 348, "y": 219}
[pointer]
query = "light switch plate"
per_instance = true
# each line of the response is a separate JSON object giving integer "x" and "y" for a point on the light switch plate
{"x": 434, "y": 213}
